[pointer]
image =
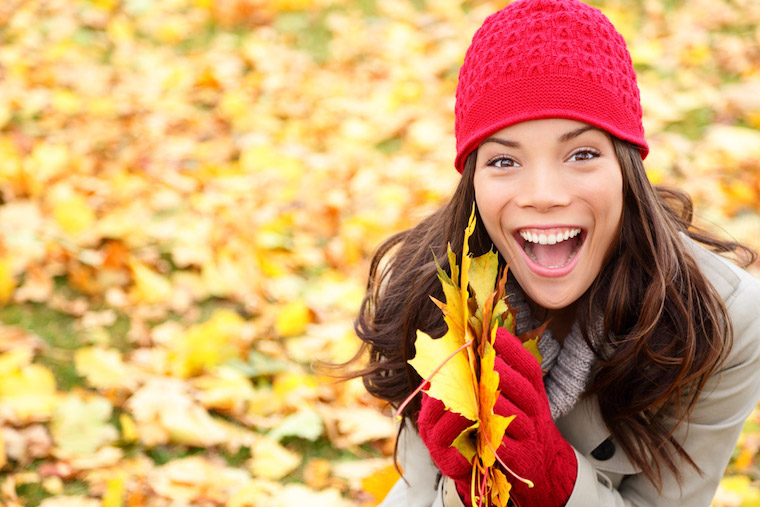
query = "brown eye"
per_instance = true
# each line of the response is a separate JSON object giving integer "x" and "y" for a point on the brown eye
{"x": 502, "y": 161}
{"x": 583, "y": 155}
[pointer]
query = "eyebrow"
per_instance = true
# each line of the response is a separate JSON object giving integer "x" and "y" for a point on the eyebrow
{"x": 563, "y": 138}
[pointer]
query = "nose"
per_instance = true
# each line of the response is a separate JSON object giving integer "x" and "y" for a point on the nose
{"x": 543, "y": 188}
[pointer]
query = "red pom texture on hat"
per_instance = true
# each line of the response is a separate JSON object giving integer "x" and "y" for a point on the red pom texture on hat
{"x": 546, "y": 59}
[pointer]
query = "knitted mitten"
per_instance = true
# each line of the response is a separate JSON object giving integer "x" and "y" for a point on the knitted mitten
{"x": 532, "y": 446}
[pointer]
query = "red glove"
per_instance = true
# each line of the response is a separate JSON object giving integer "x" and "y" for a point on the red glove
{"x": 438, "y": 428}
{"x": 532, "y": 447}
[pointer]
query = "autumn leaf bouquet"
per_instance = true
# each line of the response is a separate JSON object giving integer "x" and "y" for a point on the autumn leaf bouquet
{"x": 458, "y": 368}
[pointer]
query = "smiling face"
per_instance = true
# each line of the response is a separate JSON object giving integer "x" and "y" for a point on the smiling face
{"x": 550, "y": 194}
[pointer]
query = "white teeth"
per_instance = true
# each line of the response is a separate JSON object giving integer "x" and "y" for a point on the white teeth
{"x": 550, "y": 239}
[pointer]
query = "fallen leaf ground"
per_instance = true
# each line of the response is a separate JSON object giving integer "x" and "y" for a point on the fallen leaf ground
{"x": 190, "y": 191}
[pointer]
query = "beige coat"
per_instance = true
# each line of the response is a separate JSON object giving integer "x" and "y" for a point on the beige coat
{"x": 709, "y": 437}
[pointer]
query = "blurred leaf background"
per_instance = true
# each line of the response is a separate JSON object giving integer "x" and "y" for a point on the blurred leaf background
{"x": 190, "y": 191}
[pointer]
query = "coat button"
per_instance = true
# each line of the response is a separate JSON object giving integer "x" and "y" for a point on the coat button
{"x": 604, "y": 451}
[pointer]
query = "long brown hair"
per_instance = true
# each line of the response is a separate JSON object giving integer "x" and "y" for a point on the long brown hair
{"x": 666, "y": 330}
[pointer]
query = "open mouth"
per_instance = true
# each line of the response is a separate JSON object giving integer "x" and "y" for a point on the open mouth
{"x": 552, "y": 248}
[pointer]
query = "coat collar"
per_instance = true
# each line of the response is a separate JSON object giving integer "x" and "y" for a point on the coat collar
{"x": 583, "y": 426}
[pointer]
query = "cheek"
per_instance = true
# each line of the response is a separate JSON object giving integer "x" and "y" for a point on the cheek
{"x": 492, "y": 195}
{"x": 488, "y": 217}
{"x": 484, "y": 202}
{"x": 498, "y": 233}
{"x": 491, "y": 204}
{"x": 609, "y": 216}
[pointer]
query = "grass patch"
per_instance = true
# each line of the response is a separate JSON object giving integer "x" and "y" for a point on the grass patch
{"x": 367, "y": 7}
{"x": 163, "y": 454}
{"x": 238, "y": 458}
{"x": 390, "y": 146}
{"x": 323, "y": 449}
{"x": 694, "y": 123}
{"x": 309, "y": 32}
{"x": 33, "y": 494}
{"x": 75, "y": 488}
{"x": 118, "y": 333}
{"x": 59, "y": 331}
{"x": 54, "y": 327}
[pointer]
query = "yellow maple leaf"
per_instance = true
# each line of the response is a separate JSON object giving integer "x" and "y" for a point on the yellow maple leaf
{"x": 29, "y": 392}
{"x": 291, "y": 5}
{"x": 494, "y": 425}
{"x": 206, "y": 345}
{"x": 120, "y": 30}
{"x": 81, "y": 426}
{"x": 271, "y": 460}
{"x": 115, "y": 489}
{"x": 7, "y": 280}
{"x": 3, "y": 455}
{"x": 128, "y": 428}
{"x": 380, "y": 482}
{"x": 164, "y": 411}
{"x": 104, "y": 368}
{"x": 737, "y": 490}
{"x": 453, "y": 383}
{"x": 224, "y": 389}
{"x": 150, "y": 287}
{"x": 483, "y": 272}
{"x": 73, "y": 214}
{"x": 292, "y": 319}
{"x": 532, "y": 346}
{"x": 476, "y": 305}
{"x": 500, "y": 491}
{"x": 530, "y": 341}
{"x": 192, "y": 480}
{"x": 46, "y": 162}
{"x": 464, "y": 442}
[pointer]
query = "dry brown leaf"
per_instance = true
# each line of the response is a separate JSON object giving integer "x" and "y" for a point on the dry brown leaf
{"x": 271, "y": 460}
{"x": 352, "y": 426}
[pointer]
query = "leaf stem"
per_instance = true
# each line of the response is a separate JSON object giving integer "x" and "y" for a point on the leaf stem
{"x": 483, "y": 487}
{"x": 473, "y": 485}
{"x": 526, "y": 481}
{"x": 409, "y": 398}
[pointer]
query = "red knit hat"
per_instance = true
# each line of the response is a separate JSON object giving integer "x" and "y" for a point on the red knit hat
{"x": 546, "y": 59}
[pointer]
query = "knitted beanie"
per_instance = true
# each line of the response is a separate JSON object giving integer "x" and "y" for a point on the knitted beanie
{"x": 546, "y": 59}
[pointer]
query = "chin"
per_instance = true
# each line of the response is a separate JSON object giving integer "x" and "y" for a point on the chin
{"x": 548, "y": 293}
{"x": 550, "y": 302}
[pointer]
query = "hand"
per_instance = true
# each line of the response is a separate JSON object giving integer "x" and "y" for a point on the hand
{"x": 438, "y": 428}
{"x": 532, "y": 447}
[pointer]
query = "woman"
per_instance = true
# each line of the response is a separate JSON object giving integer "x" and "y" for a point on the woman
{"x": 651, "y": 360}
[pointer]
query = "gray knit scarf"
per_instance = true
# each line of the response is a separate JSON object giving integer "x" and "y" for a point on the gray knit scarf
{"x": 568, "y": 365}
